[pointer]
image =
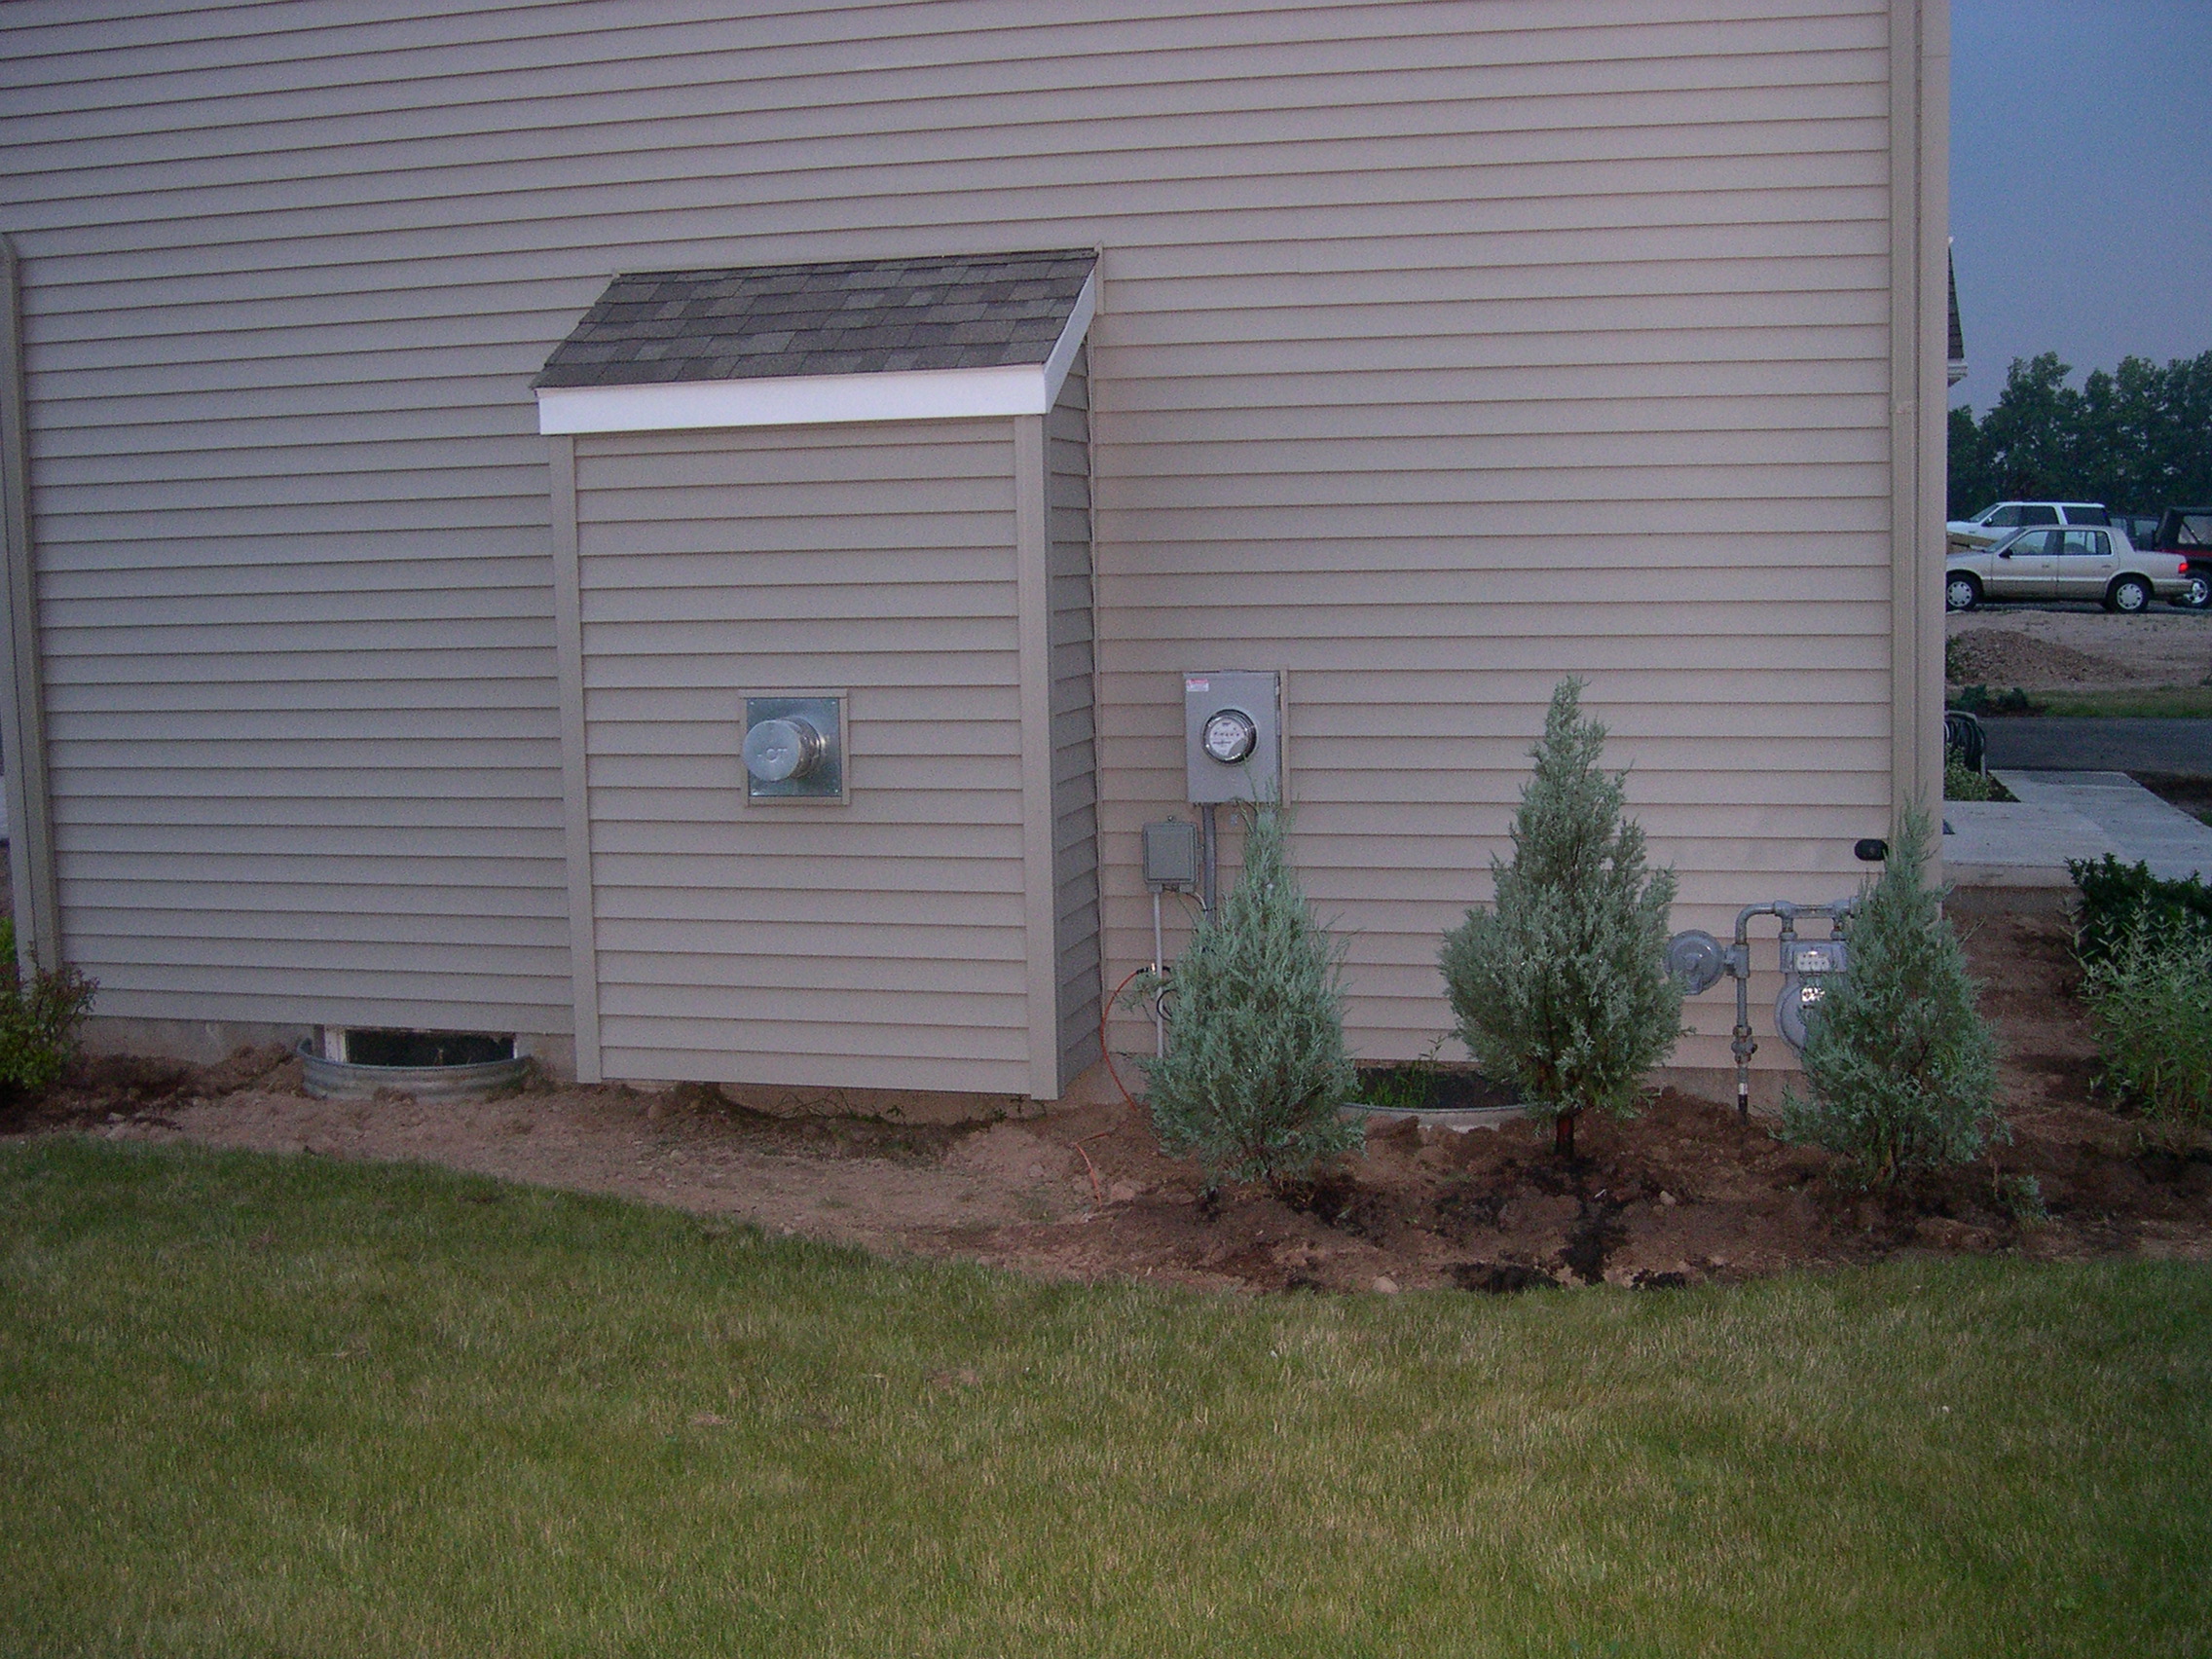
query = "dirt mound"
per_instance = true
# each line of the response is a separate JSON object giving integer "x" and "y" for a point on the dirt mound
{"x": 2161, "y": 648}
{"x": 100, "y": 1088}
{"x": 1999, "y": 659}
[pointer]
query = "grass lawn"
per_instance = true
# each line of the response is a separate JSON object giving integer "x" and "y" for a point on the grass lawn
{"x": 2167, "y": 702}
{"x": 253, "y": 1405}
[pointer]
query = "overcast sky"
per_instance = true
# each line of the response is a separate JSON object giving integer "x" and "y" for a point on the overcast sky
{"x": 2081, "y": 182}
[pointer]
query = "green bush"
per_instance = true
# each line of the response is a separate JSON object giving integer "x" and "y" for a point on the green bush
{"x": 2117, "y": 897}
{"x": 38, "y": 1020}
{"x": 1256, "y": 1068}
{"x": 1562, "y": 987}
{"x": 1980, "y": 700}
{"x": 2151, "y": 997}
{"x": 1962, "y": 782}
{"x": 1901, "y": 1066}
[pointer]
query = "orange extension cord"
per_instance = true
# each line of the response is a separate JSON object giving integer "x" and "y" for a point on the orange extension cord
{"x": 1104, "y": 1009}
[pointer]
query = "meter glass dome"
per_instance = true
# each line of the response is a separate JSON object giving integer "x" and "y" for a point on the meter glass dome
{"x": 1229, "y": 736}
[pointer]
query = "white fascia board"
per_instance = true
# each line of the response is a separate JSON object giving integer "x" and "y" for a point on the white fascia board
{"x": 798, "y": 400}
{"x": 1070, "y": 342}
{"x": 814, "y": 400}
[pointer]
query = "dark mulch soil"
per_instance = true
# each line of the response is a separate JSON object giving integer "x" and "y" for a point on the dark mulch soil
{"x": 104, "y": 1089}
{"x": 1686, "y": 1193}
{"x": 1682, "y": 1194}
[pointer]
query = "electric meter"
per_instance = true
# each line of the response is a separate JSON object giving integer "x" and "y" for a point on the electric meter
{"x": 1233, "y": 736}
{"x": 1230, "y": 735}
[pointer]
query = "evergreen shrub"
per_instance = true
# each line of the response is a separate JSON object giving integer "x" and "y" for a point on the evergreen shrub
{"x": 1256, "y": 1068}
{"x": 39, "y": 1020}
{"x": 1561, "y": 987}
{"x": 1900, "y": 1067}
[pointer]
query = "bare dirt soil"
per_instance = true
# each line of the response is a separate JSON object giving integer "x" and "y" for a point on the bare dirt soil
{"x": 2072, "y": 646}
{"x": 1680, "y": 1194}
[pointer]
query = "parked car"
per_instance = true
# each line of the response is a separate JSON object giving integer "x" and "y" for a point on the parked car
{"x": 2050, "y": 562}
{"x": 2187, "y": 534}
{"x": 1988, "y": 526}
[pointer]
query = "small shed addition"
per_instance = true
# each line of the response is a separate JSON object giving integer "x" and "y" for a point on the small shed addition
{"x": 852, "y": 493}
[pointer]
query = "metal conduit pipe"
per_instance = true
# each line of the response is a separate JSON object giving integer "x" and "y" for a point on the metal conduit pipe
{"x": 1209, "y": 848}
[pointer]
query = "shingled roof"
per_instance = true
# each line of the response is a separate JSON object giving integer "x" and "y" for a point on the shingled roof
{"x": 851, "y": 317}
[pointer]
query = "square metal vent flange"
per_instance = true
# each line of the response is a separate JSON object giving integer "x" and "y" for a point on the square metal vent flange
{"x": 793, "y": 747}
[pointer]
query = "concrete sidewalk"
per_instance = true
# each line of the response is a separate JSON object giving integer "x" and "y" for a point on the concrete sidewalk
{"x": 2069, "y": 815}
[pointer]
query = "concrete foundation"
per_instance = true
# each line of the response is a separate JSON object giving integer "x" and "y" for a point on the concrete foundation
{"x": 206, "y": 1041}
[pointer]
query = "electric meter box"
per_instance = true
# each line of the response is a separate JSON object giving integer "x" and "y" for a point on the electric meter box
{"x": 1233, "y": 736}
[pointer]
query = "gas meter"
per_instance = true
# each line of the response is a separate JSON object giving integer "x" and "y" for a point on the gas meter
{"x": 1810, "y": 966}
{"x": 1233, "y": 736}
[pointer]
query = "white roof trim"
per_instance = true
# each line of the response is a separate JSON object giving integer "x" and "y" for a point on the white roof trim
{"x": 1062, "y": 359}
{"x": 805, "y": 400}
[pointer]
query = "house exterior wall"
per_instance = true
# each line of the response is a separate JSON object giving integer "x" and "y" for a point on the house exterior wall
{"x": 877, "y": 944}
{"x": 1073, "y": 668}
{"x": 1445, "y": 349}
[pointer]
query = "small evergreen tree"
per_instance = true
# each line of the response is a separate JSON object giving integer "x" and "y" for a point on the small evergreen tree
{"x": 1256, "y": 1067}
{"x": 1562, "y": 987}
{"x": 1900, "y": 1067}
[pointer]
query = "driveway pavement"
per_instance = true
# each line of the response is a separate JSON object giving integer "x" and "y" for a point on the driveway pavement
{"x": 2038, "y": 743}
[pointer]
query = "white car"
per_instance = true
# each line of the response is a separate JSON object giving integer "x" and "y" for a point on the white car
{"x": 2047, "y": 562}
{"x": 1987, "y": 527}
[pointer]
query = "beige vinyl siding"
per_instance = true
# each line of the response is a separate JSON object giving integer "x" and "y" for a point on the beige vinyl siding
{"x": 879, "y": 944}
{"x": 1073, "y": 666}
{"x": 1444, "y": 349}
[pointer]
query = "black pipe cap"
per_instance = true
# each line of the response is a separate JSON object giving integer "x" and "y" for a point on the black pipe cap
{"x": 1872, "y": 850}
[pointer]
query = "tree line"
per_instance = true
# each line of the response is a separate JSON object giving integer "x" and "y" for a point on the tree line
{"x": 2139, "y": 440}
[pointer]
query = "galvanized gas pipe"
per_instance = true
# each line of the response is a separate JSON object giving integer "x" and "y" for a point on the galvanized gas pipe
{"x": 1698, "y": 960}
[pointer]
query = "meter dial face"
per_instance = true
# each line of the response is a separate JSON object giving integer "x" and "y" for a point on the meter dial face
{"x": 1229, "y": 736}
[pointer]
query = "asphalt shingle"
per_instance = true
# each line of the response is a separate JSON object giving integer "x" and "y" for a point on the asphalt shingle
{"x": 853, "y": 317}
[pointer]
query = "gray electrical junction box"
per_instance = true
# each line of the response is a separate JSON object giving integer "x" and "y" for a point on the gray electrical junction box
{"x": 1232, "y": 735}
{"x": 1171, "y": 855}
